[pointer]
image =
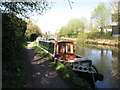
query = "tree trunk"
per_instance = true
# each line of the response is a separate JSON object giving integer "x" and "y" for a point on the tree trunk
{"x": 101, "y": 30}
{"x": 106, "y": 32}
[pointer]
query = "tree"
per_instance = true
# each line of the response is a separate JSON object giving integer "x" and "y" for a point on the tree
{"x": 92, "y": 28}
{"x": 116, "y": 12}
{"x": 32, "y": 29}
{"x": 76, "y": 26}
{"x": 25, "y": 9}
{"x": 101, "y": 15}
{"x": 73, "y": 28}
{"x": 63, "y": 31}
{"x": 115, "y": 6}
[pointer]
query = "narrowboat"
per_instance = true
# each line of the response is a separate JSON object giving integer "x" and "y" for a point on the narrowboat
{"x": 64, "y": 52}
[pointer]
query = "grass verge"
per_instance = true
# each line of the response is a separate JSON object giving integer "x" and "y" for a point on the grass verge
{"x": 70, "y": 77}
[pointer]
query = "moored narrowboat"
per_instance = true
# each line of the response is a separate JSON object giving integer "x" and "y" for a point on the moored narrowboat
{"x": 64, "y": 52}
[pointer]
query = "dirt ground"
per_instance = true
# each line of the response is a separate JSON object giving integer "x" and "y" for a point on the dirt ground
{"x": 41, "y": 74}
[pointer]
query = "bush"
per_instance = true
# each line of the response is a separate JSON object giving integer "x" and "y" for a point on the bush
{"x": 13, "y": 35}
{"x": 13, "y": 52}
{"x": 33, "y": 37}
{"x": 109, "y": 33}
{"x": 82, "y": 38}
{"x": 32, "y": 31}
{"x": 14, "y": 71}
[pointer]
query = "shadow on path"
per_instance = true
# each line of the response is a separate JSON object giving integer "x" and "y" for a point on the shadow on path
{"x": 40, "y": 72}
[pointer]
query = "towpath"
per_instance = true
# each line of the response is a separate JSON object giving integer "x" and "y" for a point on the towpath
{"x": 41, "y": 74}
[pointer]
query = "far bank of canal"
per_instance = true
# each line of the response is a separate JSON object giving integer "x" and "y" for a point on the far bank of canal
{"x": 106, "y": 61}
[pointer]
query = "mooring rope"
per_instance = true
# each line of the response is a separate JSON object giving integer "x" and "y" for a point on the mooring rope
{"x": 93, "y": 80}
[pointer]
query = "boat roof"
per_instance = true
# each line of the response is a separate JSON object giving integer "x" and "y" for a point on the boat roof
{"x": 52, "y": 41}
{"x": 65, "y": 41}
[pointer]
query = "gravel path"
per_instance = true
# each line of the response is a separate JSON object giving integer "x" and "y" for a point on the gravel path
{"x": 41, "y": 74}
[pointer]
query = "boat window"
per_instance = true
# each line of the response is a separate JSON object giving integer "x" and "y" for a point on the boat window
{"x": 57, "y": 49}
{"x": 66, "y": 49}
{"x": 71, "y": 48}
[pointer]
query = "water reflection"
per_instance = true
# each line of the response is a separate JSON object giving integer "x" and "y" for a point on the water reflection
{"x": 106, "y": 61}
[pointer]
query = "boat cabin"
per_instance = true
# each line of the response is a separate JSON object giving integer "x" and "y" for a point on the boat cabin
{"x": 64, "y": 50}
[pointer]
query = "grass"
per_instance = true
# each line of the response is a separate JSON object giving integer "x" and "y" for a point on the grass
{"x": 28, "y": 42}
{"x": 70, "y": 77}
{"x": 14, "y": 71}
{"x": 40, "y": 51}
{"x": 66, "y": 73}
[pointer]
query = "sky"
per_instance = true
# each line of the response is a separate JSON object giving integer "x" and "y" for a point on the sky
{"x": 61, "y": 13}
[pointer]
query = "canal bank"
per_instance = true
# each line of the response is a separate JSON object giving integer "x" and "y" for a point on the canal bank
{"x": 102, "y": 42}
{"x": 110, "y": 42}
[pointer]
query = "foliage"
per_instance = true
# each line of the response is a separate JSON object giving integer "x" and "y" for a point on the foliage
{"x": 32, "y": 30}
{"x": 38, "y": 49}
{"x": 92, "y": 28}
{"x": 76, "y": 26}
{"x": 25, "y": 9}
{"x": 116, "y": 11}
{"x": 13, "y": 53}
{"x": 33, "y": 37}
{"x": 82, "y": 38}
{"x": 35, "y": 44}
{"x": 63, "y": 31}
{"x": 41, "y": 52}
{"x": 109, "y": 33}
{"x": 73, "y": 28}
{"x": 14, "y": 71}
{"x": 115, "y": 4}
{"x": 101, "y": 15}
{"x": 96, "y": 35}
{"x": 13, "y": 34}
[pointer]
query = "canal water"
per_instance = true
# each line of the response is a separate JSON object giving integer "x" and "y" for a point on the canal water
{"x": 105, "y": 58}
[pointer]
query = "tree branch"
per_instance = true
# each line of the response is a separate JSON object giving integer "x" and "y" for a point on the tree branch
{"x": 69, "y": 4}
